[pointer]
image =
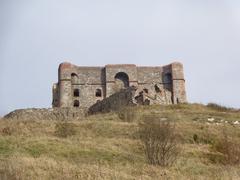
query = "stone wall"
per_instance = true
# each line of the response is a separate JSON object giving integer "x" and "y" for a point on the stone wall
{"x": 178, "y": 88}
{"x": 148, "y": 75}
{"x": 112, "y": 70}
{"x": 47, "y": 114}
{"x": 87, "y": 94}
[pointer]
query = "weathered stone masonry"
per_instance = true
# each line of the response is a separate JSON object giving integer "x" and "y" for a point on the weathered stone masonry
{"x": 80, "y": 86}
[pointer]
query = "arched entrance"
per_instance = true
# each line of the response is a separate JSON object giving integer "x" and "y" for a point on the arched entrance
{"x": 121, "y": 80}
{"x": 74, "y": 78}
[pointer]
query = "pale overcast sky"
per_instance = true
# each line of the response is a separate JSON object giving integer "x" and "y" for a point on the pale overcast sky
{"x": 37, "y": 35}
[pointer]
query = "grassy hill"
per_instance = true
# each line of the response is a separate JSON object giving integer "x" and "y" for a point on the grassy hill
{"x": 107, "y": 146}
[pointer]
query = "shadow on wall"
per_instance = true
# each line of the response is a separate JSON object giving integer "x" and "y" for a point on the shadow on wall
{"x": 114, "y": 102}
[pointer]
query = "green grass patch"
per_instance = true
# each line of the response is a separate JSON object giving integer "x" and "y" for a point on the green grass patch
{"x": 5, "y": 147}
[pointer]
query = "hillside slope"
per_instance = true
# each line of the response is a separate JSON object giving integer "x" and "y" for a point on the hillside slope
{"x": 105, "y": 146}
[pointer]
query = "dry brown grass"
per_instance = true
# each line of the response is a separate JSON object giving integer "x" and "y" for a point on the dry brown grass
{"x": 227, "y": 147}
{"x": 105, "y": 147}
{"x": 65, "y": 129}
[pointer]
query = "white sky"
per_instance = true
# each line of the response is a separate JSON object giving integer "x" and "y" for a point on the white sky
{"x": 37, "y": 35}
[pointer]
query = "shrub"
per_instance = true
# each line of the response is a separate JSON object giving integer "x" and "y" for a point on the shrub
{"x": 228, "y": 148}
{"x": 64, "y": 129}
{"x": 126, "y": 114}
{"x": 159, "y": 141}
{"x": 206, "y": 137}
{"x": 195, "y": 138}
{"x": 218, "y": 107}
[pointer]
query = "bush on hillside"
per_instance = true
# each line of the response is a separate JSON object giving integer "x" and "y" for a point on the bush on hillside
{"x": 218, "y": 107}
{"x": 64, "y": 129}
{"x": 159, "y": 140}
{"x": 228, "y": 148}
{"x": 195, "y": 138}
{"x": 203, "y": 137}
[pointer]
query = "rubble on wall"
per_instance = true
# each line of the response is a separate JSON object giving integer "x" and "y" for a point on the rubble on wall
{"x": 133, "y": 96}
{"x": 114, "y": 102}
{"x": 156, "y": 94}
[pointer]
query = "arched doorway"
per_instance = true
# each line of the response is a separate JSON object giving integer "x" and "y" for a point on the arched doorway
{"x": 121, "y": 80}
{"x": 74, "y": 78}
{"x": 98, "y": 93}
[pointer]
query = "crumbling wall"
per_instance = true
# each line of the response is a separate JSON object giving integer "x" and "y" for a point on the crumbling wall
{"x": 115, "y": 102}
{"x": 133, "y": 96}
{"x": 154, "y": 93}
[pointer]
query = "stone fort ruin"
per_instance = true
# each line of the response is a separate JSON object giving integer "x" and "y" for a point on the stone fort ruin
{"x": 80, "y": 86}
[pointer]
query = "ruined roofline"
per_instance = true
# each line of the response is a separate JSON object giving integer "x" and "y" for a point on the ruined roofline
{"x": 120, "y": 65}
{"x": 70, "y": 65}
{"x": 159, "y": 66}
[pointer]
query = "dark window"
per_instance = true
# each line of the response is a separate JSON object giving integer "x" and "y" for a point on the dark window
{"x": 145, "y": 90}
{"x": 76, "y": 93}
{"x": 167, "y": 78}
{"x": 146, "y": 102}
{"x": 76, "y": 103}
{"x": 157, "y": 89}
{"x": 98, "y": 93}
